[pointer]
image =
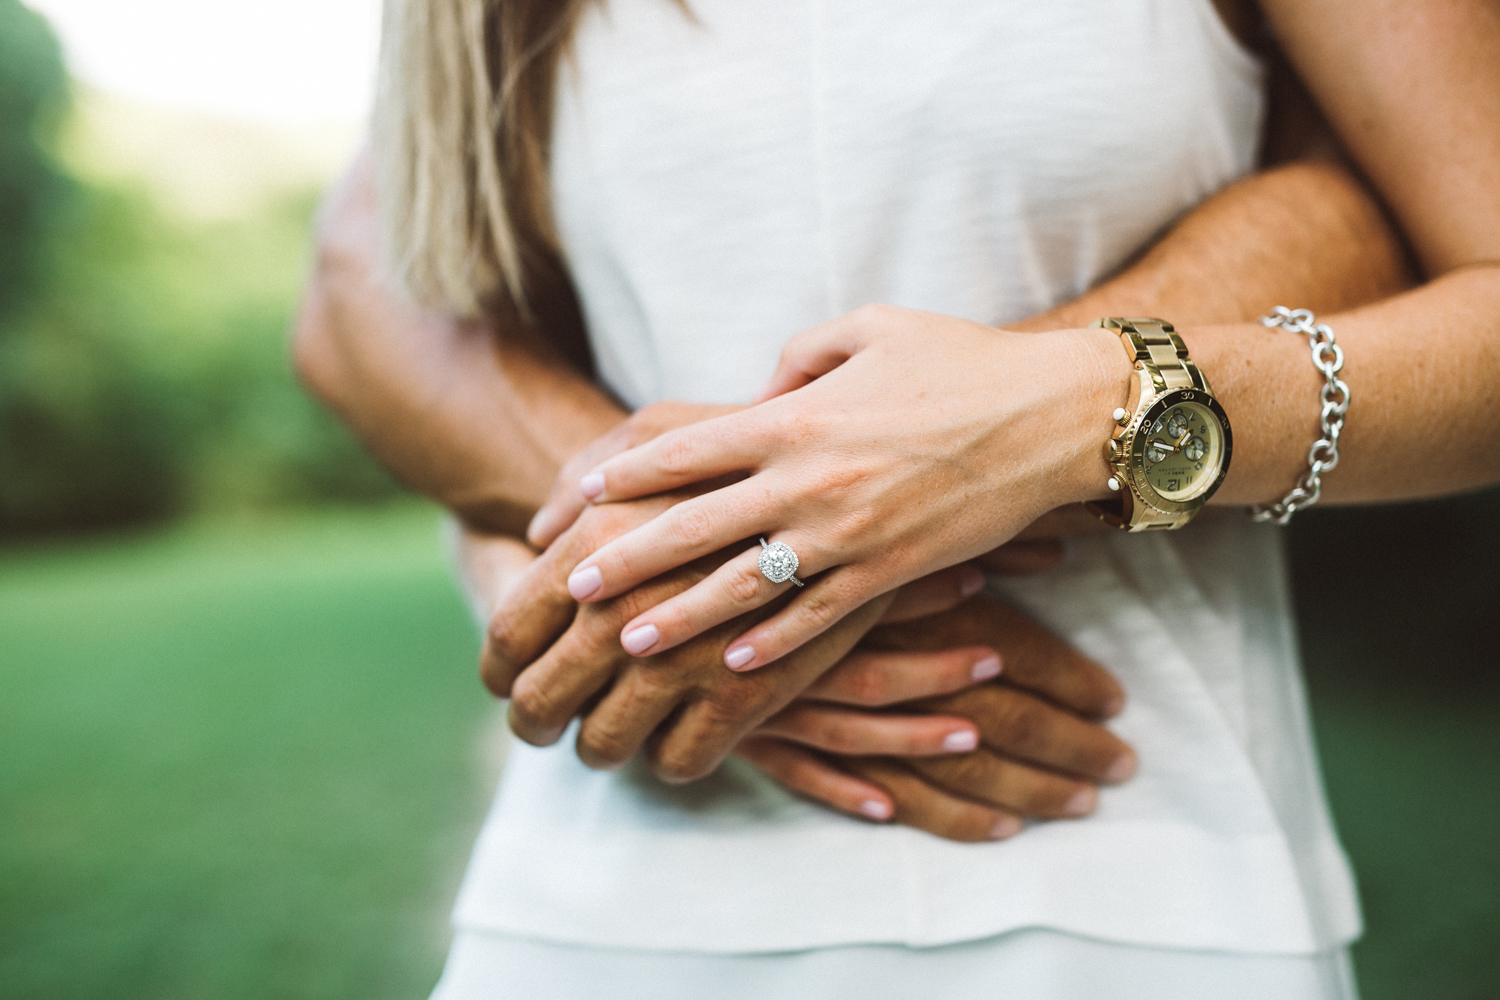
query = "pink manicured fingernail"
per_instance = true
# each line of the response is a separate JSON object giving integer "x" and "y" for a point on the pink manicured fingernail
{"x": 972, "y": 581}
{"x": 736, "y": 658}
{"x": 986, "y": 668}
{"x": 1082, "y": 802}
{"x": 585, "y": 583}
{"x": 591, "y": 485}
{"x": 875, "y": 809}
{"x": 1005, "y": 826}
{"x": 638, "y": 640}
{"x": 961, "y": 741}
{"x": 1122, "y": 768}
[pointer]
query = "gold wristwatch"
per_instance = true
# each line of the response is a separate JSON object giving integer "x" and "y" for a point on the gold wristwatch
{"x": 1171, "y": 445}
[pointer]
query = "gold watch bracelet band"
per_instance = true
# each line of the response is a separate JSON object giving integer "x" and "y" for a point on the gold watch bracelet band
{"x": 1162, "y": 364}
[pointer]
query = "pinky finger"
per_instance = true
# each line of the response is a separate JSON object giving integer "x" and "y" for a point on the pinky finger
{"x": 808, "y": 774}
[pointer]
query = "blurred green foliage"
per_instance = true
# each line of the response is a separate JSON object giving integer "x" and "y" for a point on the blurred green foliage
{"x": 32, "y": 96}
{"x": 143, "y": 368}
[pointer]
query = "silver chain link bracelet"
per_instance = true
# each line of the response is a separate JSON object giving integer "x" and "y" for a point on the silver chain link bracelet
{"x": 1323, "y": 456}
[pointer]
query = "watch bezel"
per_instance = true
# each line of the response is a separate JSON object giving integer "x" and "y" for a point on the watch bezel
{"x": 1137, "y": 455}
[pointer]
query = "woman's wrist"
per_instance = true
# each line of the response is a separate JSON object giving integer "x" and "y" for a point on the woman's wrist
{"x": 1269, "y": 388}
{"x": 1094, "y": 381}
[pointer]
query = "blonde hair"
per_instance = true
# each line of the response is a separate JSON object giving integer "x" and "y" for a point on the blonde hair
{"x": 462, "y": 126}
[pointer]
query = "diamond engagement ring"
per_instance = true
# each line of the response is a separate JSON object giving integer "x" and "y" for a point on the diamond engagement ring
{"x": 778, "y": 563}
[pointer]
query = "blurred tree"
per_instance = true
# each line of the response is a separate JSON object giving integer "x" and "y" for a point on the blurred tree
{"x": 33, "y": 95}
{"x": 143, "y": 368}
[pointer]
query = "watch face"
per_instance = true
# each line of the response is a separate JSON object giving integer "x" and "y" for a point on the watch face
{"x": 1184, "y": 450}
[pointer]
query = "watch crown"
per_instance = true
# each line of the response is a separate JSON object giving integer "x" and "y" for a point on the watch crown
{"x": 1113, "y": 450}
{"x": 1121, "y": 415}
{"x": 1113, "y": 484}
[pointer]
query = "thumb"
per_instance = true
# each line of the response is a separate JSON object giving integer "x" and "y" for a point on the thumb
{"x": 812, "y": 353}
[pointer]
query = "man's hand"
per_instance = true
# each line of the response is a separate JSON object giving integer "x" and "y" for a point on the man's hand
{"x": 1042, "y": 750}
{"x": 916, "y": 693}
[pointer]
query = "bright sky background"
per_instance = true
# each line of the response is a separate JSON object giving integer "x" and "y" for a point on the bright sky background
{"x": 287, "y": 62}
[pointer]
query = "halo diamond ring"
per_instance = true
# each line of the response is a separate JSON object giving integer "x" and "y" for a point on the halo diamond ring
{"x": 778, "y": 563}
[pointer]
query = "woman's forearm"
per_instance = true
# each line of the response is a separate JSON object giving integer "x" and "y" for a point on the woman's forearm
{"x": 1423, "y": 370}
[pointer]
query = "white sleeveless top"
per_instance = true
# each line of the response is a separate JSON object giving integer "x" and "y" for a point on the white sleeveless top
{"x": 725, "y": 181}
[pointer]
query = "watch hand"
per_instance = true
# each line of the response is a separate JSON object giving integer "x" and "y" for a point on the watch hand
{"x": 1164, "y": 446}
{"x": 1185, "y": 436}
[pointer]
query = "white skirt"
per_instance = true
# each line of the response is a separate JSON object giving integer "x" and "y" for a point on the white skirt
{"x": 1026, "y": 965}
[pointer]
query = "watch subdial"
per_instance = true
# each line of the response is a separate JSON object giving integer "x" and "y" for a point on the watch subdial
{"x": 1176, "y": 426}
{"x": 1157, "y": 451}
{"x": 1195, "y": 449}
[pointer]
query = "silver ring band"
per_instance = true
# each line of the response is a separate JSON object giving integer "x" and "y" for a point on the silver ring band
{"x": 778, "y": 563}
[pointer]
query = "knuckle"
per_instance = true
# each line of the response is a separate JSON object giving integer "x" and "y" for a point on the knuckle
{"x": 603, "y": 746}
{"x": 733, "y": 704}
{"x": 744, "y": 585}
{"x": 970, "y": 771}
{"x": 677, "y": 455}
{"x": 694, "y": 526}
{"x": 534, "y": 707}
{"x": 856, "y": 525}
{"x": 683, "y": 761}
{"x": 503, "y": 639}
{"x": 1024, "y": 723}
{"x": 821, "y": 608}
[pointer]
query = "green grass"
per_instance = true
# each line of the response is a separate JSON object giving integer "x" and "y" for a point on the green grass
{"x": 235, "y": 763}
{"x": 243, "y": 761}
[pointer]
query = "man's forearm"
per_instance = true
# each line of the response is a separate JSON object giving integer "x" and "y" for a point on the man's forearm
{"x": 482, "y": 422}
{"x": 478, "y": 419}
{"x": 1307, "y": 235}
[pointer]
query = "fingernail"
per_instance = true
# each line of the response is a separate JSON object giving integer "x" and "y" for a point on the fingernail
{"x": 1005, "y": 826}
{"x": 875, "y": 809}
{"x": 736, "y": 658}
{"x": 1114, "y": 706}
{"x": 1082, "y": 802}
{"x": 961, "y": 741}
{"x": 591, "y": 485}
{"x": 585, "y": 583}
{"x": 986, "y": 668}
{"x": 1122, "y": 768}
{"x": 971, "y": 582}
{"x": 638, "y": 640}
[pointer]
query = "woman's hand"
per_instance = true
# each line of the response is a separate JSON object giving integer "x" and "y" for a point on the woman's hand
{"x": 894, "y": 443}
{"x": 565, "y": 503}
{"x": 557, "y": 661}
